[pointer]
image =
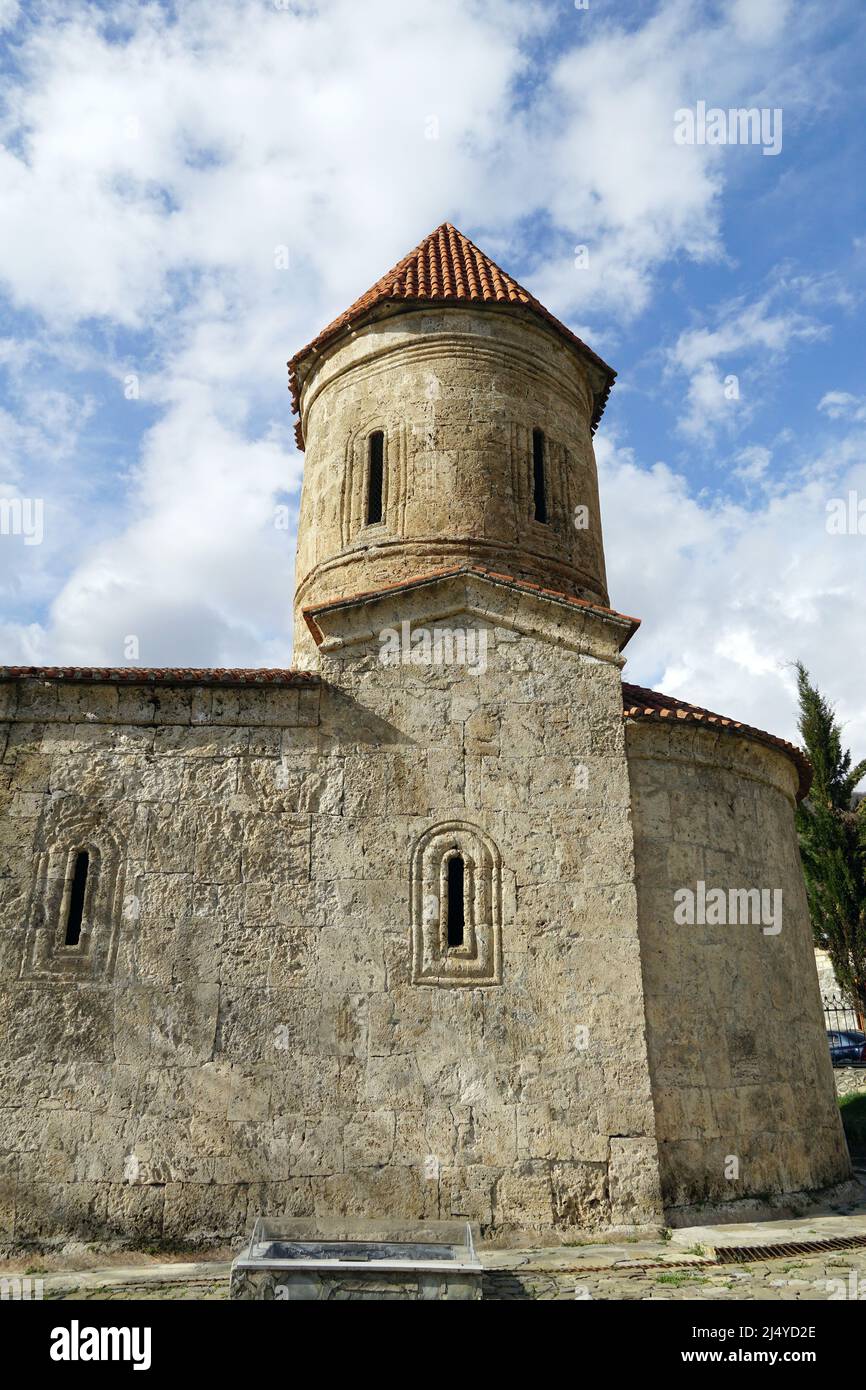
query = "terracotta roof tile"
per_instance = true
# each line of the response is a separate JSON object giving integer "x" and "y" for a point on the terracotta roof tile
{"x": 446, "y": 267}
{"x": 641, "y": 703}
{"x": 159, "y": 675}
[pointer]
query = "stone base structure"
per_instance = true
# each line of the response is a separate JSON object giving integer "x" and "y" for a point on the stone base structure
{"x": 401, "y": 933}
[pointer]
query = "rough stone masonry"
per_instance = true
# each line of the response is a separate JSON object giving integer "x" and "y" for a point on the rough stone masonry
{"x": 397, "y": 938}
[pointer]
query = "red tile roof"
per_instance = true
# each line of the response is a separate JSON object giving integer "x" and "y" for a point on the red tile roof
{"x": 445, "y": 268}
{"x": 640, "y": 703}
{"x": 448, "y": 572}
{"x": 159, "y": 675}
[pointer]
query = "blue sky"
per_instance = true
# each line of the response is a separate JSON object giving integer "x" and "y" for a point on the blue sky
{"x": 154, "y": 157}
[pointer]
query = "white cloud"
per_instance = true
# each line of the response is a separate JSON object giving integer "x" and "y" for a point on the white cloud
{"x": 146, "y": 187}
{"x": 841, "y": 405}
{"x": 9, "y": 13}
{"x": 752, "y": 462}
{"x": 206, "y": 510}
{"x": 728, "y": 364}
{"x": 147, "y": 182}
{"x": 735, "y": 595}
{"x": 759, "y": 21}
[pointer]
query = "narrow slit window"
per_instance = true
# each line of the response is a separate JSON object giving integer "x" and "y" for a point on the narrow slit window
{"x": 456, "y": 911}
{"x": 538, "y": 481}
{"x": 375, "y": 476}
{"x": 76, "y": 899}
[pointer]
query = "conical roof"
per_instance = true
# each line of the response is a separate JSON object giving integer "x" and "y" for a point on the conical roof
{"x": 446, "y": 268}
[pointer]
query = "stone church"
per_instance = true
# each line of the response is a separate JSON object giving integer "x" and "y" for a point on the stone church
{"x": 442, "y": 920}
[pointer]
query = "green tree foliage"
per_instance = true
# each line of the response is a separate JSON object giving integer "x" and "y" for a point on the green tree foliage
{"x": 833, "y": 843}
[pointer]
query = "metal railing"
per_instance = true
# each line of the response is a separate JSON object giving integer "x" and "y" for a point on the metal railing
{"x": 840, "y": 1017}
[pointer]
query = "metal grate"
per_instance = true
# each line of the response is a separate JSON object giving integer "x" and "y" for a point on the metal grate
{"x": 744, "y": 1254}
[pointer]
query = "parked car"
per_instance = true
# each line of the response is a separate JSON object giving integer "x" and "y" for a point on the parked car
{"x": 847, "y": 1046}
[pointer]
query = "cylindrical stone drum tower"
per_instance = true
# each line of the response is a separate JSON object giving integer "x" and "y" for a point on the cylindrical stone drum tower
{"x": 447, "y": 417}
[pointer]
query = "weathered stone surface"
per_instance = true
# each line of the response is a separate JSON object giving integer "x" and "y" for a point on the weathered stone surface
{"x": 741, "y": 1078}
{"x": 265, "y": 1011}
{"x": 459, "y": 450}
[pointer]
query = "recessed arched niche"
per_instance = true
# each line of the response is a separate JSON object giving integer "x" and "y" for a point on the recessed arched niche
{"x": 76, "y": 900}
{"x": 456, "y": 889}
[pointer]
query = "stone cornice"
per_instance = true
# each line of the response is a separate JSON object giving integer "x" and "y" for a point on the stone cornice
{"x": 473, "y": 591}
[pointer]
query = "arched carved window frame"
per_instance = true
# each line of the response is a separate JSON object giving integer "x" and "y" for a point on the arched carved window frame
{"x": 477, "y": 962}
{"x": 354, "y": 526}
{"x": 46, "y": 953}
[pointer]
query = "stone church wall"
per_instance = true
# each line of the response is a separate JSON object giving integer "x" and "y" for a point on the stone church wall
{"x": 738, "y": 1056}
{"x": 243, "y": 1034}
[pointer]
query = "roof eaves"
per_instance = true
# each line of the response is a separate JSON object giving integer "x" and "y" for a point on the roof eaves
{"x": 311, "y": 611}
{"x": 163, "y": 675}
{"x": 642, "y": 703}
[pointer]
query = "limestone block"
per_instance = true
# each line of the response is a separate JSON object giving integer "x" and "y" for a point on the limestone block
{"x": 394, "y": 1080}
{"x": 164, "y": 897}
{"x": 8, "y": 1191}
{"x": 546, "y": 1133}
{"x": 276, "y": 847}
{"x": 297, "y": 904}
{"x": 627, "y": 1112}
{"x": 296, "y": 781}
{"x": 314, "y": 1144}
{"x": 134, "y": 1215}
{"x": 378, "y": 1194}
{"x": 171, "y": 839}
{"x": 427, "y": 1135}
{"x": 60, "y": 1211}
{"x": 201, "y": 742}
{"x": 164, "y": 1150}
{"x": 47, "y": 1021}
{"x": 245, "y": 957}
{"x": 470, "y": 1192}
{"x": 206, "y": 1213}
{"x": 481, "y": 728}
{"x": 340, "y": 1028}
{"x": 368, "y": 1139}
{"x": 309, "y": 1083}
{"x": 289, "y": 1199}
{"x": 8, "y": 699}
{"x": 580, "y": 1195}
{"x": 219, "y": 845}
{"x": 350, "y": 959}
{"x": 525, "y": 1193}
{"x": 635, "y": 1197}
{"x": 176, "y": 1024}
{"x": 209, "y": 781}
{"x": 36, "y": 700}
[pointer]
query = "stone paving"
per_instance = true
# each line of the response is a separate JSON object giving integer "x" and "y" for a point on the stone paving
{"x": 803, "y": 1279}
{"x": 820, "y": 1277}
{"x": 849, "y": 1080}
{"x": 678, "y": 1264}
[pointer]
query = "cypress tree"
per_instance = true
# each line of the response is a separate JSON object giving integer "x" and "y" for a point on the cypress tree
{"x": 833, "y": 844}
